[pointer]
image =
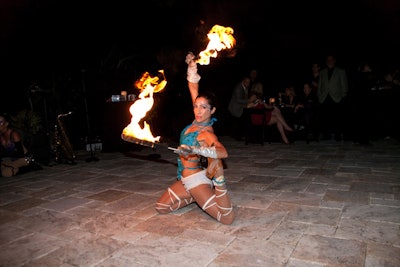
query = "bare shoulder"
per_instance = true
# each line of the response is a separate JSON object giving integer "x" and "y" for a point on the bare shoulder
{"x": 209, "y": 137}
{"x": 207, "y": 132}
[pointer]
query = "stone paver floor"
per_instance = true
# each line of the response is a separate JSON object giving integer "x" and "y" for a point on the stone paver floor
{"x": 318, "y": 204}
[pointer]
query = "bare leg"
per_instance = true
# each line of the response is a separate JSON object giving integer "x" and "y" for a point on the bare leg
{"x": 175, "y": 197}
{"x": 7, "y": 170}
{"x": 215, "y": 202}
{"x": 11, "y": 167}
{"x": 281, "y": 119}
{"x": 282, "y": 132}
{"x": 279, "y": 125}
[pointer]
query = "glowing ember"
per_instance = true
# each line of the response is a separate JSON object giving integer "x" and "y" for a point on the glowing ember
{"x": 147, "y": 85}
{"x": 220, "y": 38}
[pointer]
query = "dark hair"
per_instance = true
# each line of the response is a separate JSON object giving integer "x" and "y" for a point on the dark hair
{"x": 6, "y": 117}
{"x": 210, "y": 96}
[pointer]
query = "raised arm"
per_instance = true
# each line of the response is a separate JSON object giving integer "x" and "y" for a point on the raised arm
{"x": 192, "y": 76}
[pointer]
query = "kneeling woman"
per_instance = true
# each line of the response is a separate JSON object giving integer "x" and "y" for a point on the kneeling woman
{"x": 206, "y": 187}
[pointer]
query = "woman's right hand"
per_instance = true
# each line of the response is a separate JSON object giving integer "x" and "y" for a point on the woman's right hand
{"x": 190, "y": 59}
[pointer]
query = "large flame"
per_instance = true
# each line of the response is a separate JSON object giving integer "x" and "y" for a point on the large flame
{"x": 147, "y": 85}
{"x": 220, "y": 38}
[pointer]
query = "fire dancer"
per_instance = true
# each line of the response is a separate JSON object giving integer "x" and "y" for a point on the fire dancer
{"x": 206, "y": 187}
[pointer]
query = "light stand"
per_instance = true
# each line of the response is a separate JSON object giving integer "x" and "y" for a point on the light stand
{"x": 40, "y": 144}
{"x": 89, "y": 139}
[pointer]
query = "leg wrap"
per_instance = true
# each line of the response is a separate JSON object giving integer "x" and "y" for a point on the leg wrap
{"x": 173, "y": 196}
{"x": 174, "y": 199}
{"x": 175, "y": 202}
{"x": 223, "y": 192}
{"x": 207, "y": 203}
{"x": 188, "y": 201}
{"x": 162, "y": 206}
{"x": 222, "y": 211}
{"x": 229, "y": 210}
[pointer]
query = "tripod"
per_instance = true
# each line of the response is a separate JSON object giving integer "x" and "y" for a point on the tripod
{"x": 39, "y": 143}
{"x": 89, "y": 138}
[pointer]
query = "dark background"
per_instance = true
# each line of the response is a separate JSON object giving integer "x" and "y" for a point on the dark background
{"x": 86, "y": 50}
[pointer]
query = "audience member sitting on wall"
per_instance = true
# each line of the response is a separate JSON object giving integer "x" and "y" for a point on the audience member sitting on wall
{"x": 14, "y": 156}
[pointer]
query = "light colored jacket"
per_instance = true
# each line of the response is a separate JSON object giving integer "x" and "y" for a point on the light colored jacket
{"x": 336, "y": 86}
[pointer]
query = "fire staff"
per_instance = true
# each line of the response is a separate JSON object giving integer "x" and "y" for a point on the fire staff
{"x": 195, "y": 183}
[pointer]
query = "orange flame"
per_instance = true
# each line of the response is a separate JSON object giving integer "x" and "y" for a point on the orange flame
{"x": 220, "y": 38}
{"x": 147, "y": 85}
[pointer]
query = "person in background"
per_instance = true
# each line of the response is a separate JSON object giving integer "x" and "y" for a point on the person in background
{"x": 332, "y": 92}
{"x": 14, "y": 156}
{"x": 273, "y": 114}
{"x": 390, "y": 95}
{"x": 254, "y": 77}
{"x": 360, "y": 104}
{"x": 288, "y": 104}
{"x": 236, "y": 106}
{"x": 307, "y": 111}
{"x": 315, "y": 70}
{"x": 206, "y": 187}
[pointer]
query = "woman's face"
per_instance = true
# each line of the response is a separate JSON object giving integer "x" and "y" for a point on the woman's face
{"x": 315, "y": 67}
{"x": 202, "y": 110}
{"x": 3, "y": 124}
{"x": 307, "y": 88}
{"x": 289, "y": 91}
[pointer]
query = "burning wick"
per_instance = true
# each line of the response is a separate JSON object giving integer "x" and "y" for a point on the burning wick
{"x": 220, "y": 38}
{"x": 137, "y": 141}
{"x": 148, "y": 85}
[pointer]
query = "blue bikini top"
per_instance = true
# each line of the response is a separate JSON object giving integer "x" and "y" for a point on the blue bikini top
{"x": 190, "y": 139}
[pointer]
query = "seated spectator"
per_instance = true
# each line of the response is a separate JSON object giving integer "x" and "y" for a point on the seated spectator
{"x": 393, "y": 78}
{"x": 14, "y": 156}
{"x": 273, "y": 115}
{"x": 288, "y": 105}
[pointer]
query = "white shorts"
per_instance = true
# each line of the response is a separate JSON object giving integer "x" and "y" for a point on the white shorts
{"x": 196, "y": 179}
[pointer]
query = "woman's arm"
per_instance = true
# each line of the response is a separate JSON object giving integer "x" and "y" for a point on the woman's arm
{"x": 210, "y": 140}
{"x": 19, "y": 147}
{"x": 192, "y": 76}
{"x": 194, "y": 90}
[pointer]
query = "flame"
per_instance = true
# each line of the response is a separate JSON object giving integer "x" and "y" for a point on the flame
{"x": 147, "y": 85}
{"x": 220, "y": 38}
